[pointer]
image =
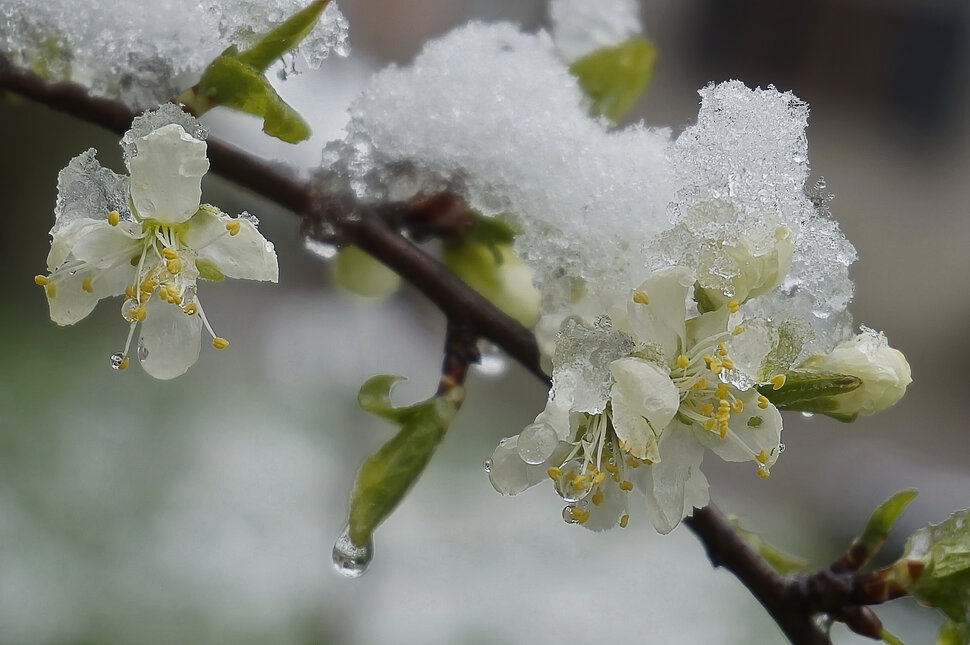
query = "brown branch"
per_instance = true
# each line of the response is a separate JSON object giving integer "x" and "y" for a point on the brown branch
{"x": 793, "y": 602}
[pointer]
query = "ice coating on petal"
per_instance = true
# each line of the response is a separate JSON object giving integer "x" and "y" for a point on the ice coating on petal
{"x": 580, "y": 26}
{"x": 151, "y": 120}
{"x": 170, "y": 340}
{"x": 675, "y": 484}
{"x": 581, "y": 379}
{"x": 85, "y": 189}
{"x": 145, "y": 55}
{"x": 166, "y": 174}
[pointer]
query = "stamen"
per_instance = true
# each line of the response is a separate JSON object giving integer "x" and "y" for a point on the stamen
{"x": 640, "y": 298}
{"x": 763, "y": 471}
{"x": 624, "y": 520}
{"x": 41, "y": 280}
{"x": 123, "y": 365}
{"x": 233, "y": 227}
{"x": 597, "y": 497}
{"x": 683, "y": 362}
{"x": 763, "y": 402}
{"x": 626, "y": 485}
{"x": 722, "y": 349}
{"x": 738, "y": 330}
{"x": 733, "y": 306}
{"x": 579, "y": 515}
{"x": 220, "y": 343}
{"x": 130, "y": 292}
{"x": 113, "y": 218}
{"x": 86, "y": 285}
{"x": 51, "y": 289}
{"x": 722, "y": 391}
{"x": 762, "y": 457}
{"x": 737, "y": 405}
{"x": 190, "y": 309}
{"x": 554, "y": 473}
{"x": 778, "y": 382}
{"x": 169, "y": 253}
{"x": 174, "y": 265}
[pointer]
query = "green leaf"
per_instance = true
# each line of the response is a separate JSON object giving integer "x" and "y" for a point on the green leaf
{"x": 782, "y": 562}
{"x": 881, "y": 521}
{"x": 232, "y": 83}
{"x": 952, "y": 633}
{"x": 282, "y": 38}
{"x": 935, "y": 567}
{"x": 386, "y": 476}
{"x": 614, "y": 77}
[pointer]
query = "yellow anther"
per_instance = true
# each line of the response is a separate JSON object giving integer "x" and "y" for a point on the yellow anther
{"x": 123, "y": 365}
{"x": 699, "y": 385}
{"x": 737, "y": 405}
{"x": 722, "y": 391}
{"x": 597, "y": 497}
{"x": 174, "y": 265}
{"x": 220, "y": 343}
{"x": 646, "y": 462}
{"x": 580, "y": 483}
{"x": 723, "y": 429}
{"x": 733, "y": 306}
{"x": 86, "y": 285}
{"x": 138, "y": 313}
{"x": 148, "y": 284}
{"x": 113, "y": 218}
{"x": 762, "y": 457}
{"x": 190, "y": 309}
{"x": 722, "y": 349}
{"x": 763, "y": 402}
{"x": 51, "y": 289}
{"x": 640, "y": 298}
{"x": 612, "y": 468}
{"x": 626, "y": 485}
{"x": 727, "y": 363}
{"x": 171, "y": 292}
{"x": 707, "y": 409}
{"x": 169, "y": 253}
{"x": 708, "y": 360}
{"x": 624, "y": 520}
{"x": 579, "y": 515}
{"x": 41, "y": 280}
{"x": 554, "y": 472}
{"x": 737, "y": 330}
{"x": 233, "y": 226}
{"x": 130, "y": 292}
{"x": 683, "y": 362}
{"x": 632, "y": 462}
{"x": 778, "y": 382}
{"x": 709, "y": 424}
{"x": 599, "y": 477}
{"x": 763, "y": 471}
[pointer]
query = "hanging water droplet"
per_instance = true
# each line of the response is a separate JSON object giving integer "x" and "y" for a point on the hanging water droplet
{"x": 492, "y": 362}
{"x": 487, "y": 466}
{"x": 320, "y": 249}
{"x": 126, "y": 308}
{"x": 781, "y": 448}
{"x": 568, "y": 486}
{"x": 350, "y": 560}
{"x": 115, "y": 360}
{"x": 142, "y": 350}
{"x": 567, "y": 515}
{"x": 537, "y": 443}
{"x": 808, "y": 415}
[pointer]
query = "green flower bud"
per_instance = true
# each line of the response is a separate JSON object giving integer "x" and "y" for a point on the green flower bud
{"x": 496, "y": 272}
{"x": 754, "y": 275}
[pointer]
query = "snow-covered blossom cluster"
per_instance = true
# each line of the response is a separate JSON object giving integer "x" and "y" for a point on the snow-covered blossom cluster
{"x": 147, "y": 236}
{"x": 683, "y": 278}
{"x": 146, "y": 54}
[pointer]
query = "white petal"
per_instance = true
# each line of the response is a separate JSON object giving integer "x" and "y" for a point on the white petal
{"x": 246, "y": 255}
{"x": 675, "y": 484}
{"x": 749, "y": 432}
{"x": 644, "y": 401}
{"x": 662, "y": 320}
{"x": 559, "y": 418}
{"x": 166, "y": 175}
{"x": 64, "y": 238}
{"x": 171, "y": 338}
{"x": 707, "y": 325}
{"x": 510, "y": 475}
{"x": 107, "y": 246}
{"x": 71, "y": 302}
{"x": 607, "y": 514}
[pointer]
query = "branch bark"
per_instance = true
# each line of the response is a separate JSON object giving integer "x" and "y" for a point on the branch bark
{"x": 793, "y": 602}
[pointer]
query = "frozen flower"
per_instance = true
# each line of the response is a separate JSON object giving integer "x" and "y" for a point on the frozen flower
{"x": 148, "y": 237}
{"x": 883, "y": 370}
{"x": 669, "y": 390}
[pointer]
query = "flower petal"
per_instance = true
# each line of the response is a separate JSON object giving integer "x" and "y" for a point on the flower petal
{"x": 63, "y": 239}
{"x": 71, "y": 302}
{"x": 510, "y": 475}
{"x": 171, "y": 338}
{"x": 661, "y": 320}
{"x": 749, "y": 432}
{"x": 247, "y": 255}
{"x": 607, "y": 513}
{"x": 675, "y": 485}
{"x": 166, "y": 175}
{"x": 644, "y": 401}
{"x": 105, "y": 246}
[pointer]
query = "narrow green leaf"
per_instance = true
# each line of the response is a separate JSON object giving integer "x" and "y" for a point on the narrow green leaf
{"x": 386, "y": 476}
{"x": 781, "y": 561}
{"x": 283, "y": 38}
{"x": 889, "y": 638}
{"x": 614, "y": 77}
{"x": 882, "y": 520}
{"x": 231, "y": 83}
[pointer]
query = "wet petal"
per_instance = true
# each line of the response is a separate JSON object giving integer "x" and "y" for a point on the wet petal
{"x": 676, "y": 484}
{"x": 65, "y": 237}
{"x": 166, "y": 175}
{"x": 107, "y": 246}
{"x": 247, "y": 255}
{"x": 661, "y": 320}
{"x": 607, "y": 513}
{"x": 509, "y": 474}
{"x": 749, "y": 432}
{"x": 172, "y": 339}
{"x": 644, "y": 401}
{"x": 71, "y": 302}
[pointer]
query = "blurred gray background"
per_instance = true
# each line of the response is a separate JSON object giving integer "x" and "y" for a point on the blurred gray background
{"x": 203, "y": 510}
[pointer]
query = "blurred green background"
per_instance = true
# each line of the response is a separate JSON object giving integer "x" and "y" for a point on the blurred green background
{"x": 203, "y": 510}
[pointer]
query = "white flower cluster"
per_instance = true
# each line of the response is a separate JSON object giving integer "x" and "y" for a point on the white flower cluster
{"x": 148, "y": 237}
{"x": 683, "y": 279}
{"x": 145, "y": 55}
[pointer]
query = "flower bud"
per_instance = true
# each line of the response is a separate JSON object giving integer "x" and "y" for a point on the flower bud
{"x": 496, "y": 272}
{"x": 883, "y": 370}
{"x": 754, "y": 275}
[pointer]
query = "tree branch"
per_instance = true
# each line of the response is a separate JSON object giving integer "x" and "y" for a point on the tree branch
{"x": 793, "y": 602}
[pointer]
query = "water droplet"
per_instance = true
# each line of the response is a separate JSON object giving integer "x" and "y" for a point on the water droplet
{"x": 588, "y": 437}
{"x": 808, "y": 415}
{"x": 320, "y": 249}
{"x": 487, "y": 466}
{"x": 564, "y": 485}
{"x": 249, "y": 217}
{"x": 492, "y": 362}
{"x": 115, "y": 360}
{"x": 781, "y": 448}
{"x": 350, "y": 560}
{"x": 126, "y": 308}
{"x": 567, "y": 515}
{"x": 503, "y": 441}
{"x": 537, "y": 443}
{"x": 142, "y": 350}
